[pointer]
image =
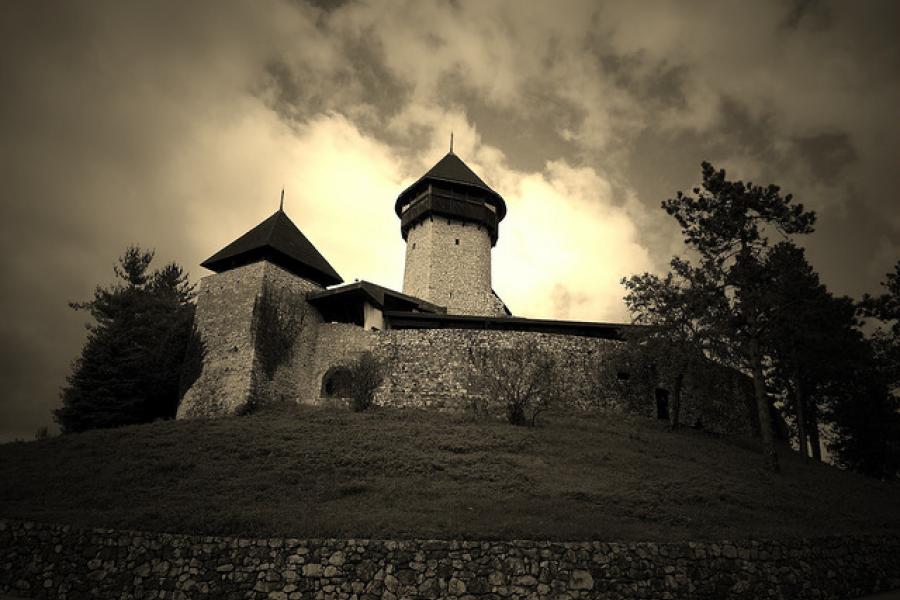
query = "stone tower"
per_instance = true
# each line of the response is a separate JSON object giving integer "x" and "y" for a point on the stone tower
{"x": 450, "y": 220}
{"x": 274, "y": 255}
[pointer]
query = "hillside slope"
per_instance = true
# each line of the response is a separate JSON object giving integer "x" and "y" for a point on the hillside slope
{"x": 306, "y": 472}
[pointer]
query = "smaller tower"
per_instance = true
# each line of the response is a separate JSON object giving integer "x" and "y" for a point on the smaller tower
{"x": 274, "y": 255}
{"x": 450, "y": 220}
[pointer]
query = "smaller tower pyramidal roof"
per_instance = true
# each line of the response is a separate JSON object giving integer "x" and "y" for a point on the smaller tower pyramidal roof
{"x": 279, "y": 241}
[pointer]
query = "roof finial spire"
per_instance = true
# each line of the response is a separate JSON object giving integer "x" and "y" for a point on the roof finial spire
{"x": 281, "y": 204}
{"x": 451, "y": 141}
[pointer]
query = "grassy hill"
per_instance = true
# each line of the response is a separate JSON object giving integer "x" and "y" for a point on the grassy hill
{"x": 305, "y": 472}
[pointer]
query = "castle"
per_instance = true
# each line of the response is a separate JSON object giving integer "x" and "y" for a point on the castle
{"x": 450, "y": 220}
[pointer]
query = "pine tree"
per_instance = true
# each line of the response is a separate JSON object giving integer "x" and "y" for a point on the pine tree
{"x": 130, "y": 368}
{"x": 727, "y": 223}
{"x": 813, "y": 339}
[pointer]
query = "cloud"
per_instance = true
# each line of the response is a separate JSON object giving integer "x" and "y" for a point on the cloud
{"x": 176, "y": 125}
{"x": 565, "y": 245}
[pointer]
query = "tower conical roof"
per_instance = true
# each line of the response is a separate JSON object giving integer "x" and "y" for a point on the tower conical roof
{"x": 451, "y": 169}
{"x": 279, "y": 241}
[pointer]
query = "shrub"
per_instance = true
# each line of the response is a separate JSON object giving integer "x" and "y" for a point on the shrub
{"x": 521, "y": 380}
{"x": 277, "y": 321}
{"x": 365, "y": 375}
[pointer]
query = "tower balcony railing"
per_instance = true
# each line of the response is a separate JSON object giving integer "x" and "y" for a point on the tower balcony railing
{"x": 437, "y": 201}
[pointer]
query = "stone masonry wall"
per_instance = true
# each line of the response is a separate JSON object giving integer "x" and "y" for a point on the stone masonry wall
{"x": 448, "y": 263}
{"x": 426, "y": 367}
{"x": 53, "y": 561}
{"x": 231, "y": 378}
{"x": 224, "y": 312}
{"x": 431, "y": 367}
{"x": 292, "y": 379}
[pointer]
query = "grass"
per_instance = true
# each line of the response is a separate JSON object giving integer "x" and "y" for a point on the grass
{"x": 307, "y": 472}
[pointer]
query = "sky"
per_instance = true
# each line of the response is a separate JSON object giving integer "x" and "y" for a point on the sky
{"x": 175, "y": 126}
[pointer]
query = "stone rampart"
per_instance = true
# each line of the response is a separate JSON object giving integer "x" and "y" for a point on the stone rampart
{"x": 425, "y": 367}
{"x": 431, "y": 367}
{"x": 54, "y": 561}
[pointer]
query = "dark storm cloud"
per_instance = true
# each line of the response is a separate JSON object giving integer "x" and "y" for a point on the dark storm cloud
{"x": 171, "y": 124}
{"x": 827, "y": 155}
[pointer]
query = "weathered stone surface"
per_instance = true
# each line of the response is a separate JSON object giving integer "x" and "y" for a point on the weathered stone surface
{"x": 51, "y": 561}
{"x": 448, "y": 263}
{"x": 426, "y": 368}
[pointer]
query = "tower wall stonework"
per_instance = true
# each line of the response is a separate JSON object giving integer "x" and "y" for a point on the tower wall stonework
{"x": 292, "y": 378}
{"x": 224, "y": 321}
{"x": 448, "y": 263}
{"x": 231, "y": 378}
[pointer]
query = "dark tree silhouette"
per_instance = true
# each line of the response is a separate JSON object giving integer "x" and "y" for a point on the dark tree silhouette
{"x": 130, "y": 368}
{"x": 866, "y": 410}
{"x": 886, "y": 306}
{"x": 672, "y": 337}
{"x": 886, "y": 338}
{"x": 813, "y": 338}
{"x": 728, "y": 223}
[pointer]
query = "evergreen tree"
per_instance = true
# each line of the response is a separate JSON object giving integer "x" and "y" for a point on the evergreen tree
{"x": 727, "y": 223}
{"x": 813, "y": 339}
{"x": 886, "y": 339}
{"x": 865, "y": 410}
{"x": 130, "y": 368}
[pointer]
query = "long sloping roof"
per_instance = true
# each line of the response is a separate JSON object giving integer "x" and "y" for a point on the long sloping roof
{"x": 278, "y": 240}
{"x": 399, "y": 319}
{"x": 452, "y": 169}
{"x": 379, "y": 295}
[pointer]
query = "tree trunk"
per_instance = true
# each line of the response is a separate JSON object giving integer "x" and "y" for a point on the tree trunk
{"x": 813, "y": 422}
{"x": 766, "y": 436}
{"x": 800, "y": 401}
{"x": 676, "y": 402}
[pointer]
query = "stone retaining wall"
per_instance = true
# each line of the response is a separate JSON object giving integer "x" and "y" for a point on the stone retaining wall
{"x": 54, "y": 561}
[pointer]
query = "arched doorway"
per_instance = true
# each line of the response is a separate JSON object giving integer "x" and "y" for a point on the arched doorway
{"x": 662, "y": 404}
{"x": 336, "y": 383}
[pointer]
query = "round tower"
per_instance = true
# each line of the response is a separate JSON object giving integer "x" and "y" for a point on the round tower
{"x": 450, "y": 220}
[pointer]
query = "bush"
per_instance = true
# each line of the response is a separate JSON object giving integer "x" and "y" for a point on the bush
{"x": 365, "y": 376}
{"x": 522, "y": 380}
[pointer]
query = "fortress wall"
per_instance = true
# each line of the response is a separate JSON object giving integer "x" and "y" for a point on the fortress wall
{"x": 337, "y": 344}
{"x": 425, "y": 367}
{"x": 287, "y": 384}
{"x": 54, "y": 561}
{"x": 223, "y": 318}
{"x": 431, "y": 367}
{"x": 443, "y": 272}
